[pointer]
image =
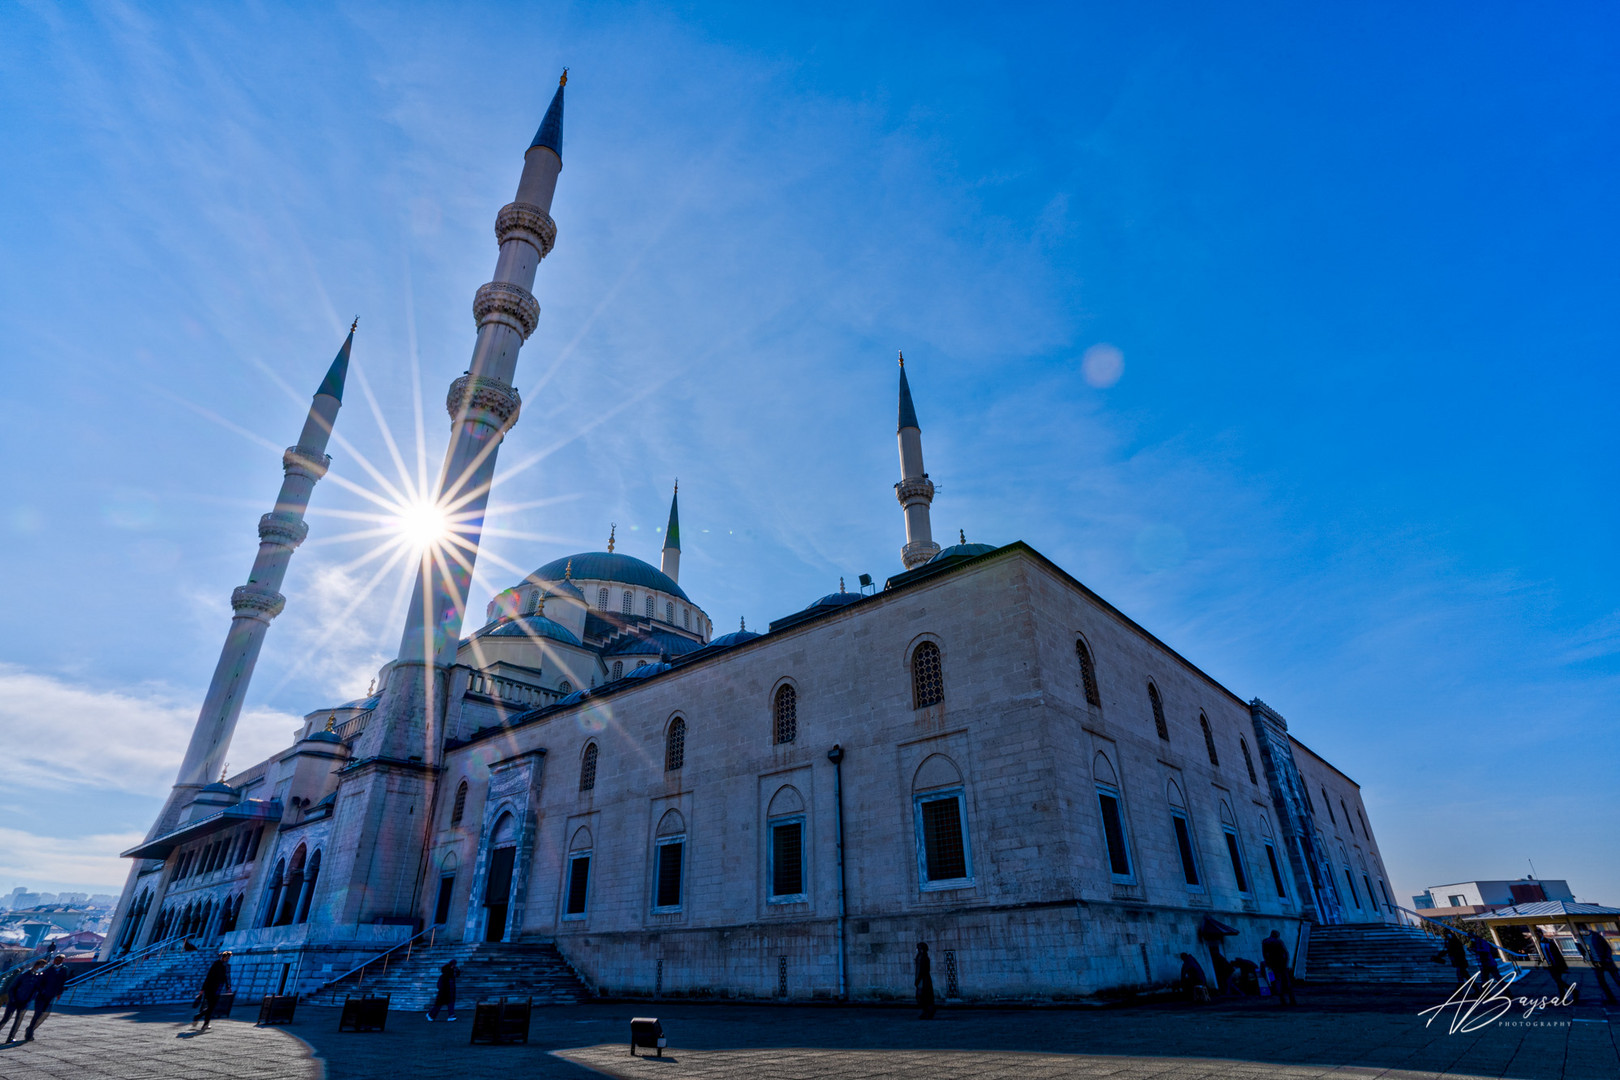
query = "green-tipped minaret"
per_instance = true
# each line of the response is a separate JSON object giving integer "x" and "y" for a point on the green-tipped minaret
{"x": 672, "y": 537}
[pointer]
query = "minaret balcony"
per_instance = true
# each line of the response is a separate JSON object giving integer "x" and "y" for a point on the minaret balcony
{"x": 914, "y": 489}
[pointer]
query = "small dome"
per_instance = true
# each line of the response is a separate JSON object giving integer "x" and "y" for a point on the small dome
{"x": 736, "y": 637}
{"x": 963, "y": 551}
{"x": 609, "y": 566}
{"x": 323, "y": 736}
{"x": 833, "y": 600}
{"x": 647, "y": 670}
{"x": 571, "y": 699}
{"x": 220, "y": 786}
{"x": 529, "y": 626}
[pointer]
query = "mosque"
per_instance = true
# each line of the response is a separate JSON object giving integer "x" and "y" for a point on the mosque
{"x": 980, "y": 753}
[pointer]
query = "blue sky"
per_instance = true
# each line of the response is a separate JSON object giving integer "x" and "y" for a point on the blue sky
{"x": 1359, "y": 265}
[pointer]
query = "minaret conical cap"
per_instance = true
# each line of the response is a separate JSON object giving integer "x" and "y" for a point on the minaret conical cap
{"x": 550, "y": 133}
{"x": 332, "y": 385}
{"x": 908, "y": 411}
{"x": 672, "y": 533}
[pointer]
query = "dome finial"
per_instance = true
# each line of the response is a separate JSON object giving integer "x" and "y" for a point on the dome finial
{"x": 613, "y": 531}
{"x": 372, "y": 688}
{"x": 841, "y": 583}
{"x": 742, "y": 623}
{"x": 961, "y": 535}
{"x": 331, "y": 722}
{"x": 568, "y": 571}
{"x": 224, "y": 771}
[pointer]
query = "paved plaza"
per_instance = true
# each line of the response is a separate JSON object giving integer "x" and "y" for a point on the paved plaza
{"x": 1336, "y": 1031}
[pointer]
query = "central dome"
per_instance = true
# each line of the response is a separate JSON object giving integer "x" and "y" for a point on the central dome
{"x": 610, "y": 566}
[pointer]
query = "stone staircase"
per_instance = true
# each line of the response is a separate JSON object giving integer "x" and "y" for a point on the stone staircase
{"x": 166, "y": 977}
{"x": 1375, "y": 953}
{"x": 489, "y": 970}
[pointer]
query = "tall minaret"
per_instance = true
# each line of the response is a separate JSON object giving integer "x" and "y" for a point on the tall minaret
{"x": 255, "y": 604}
{"x": 483, "y": 406}
{"x": 915, "y": 491}
{"x": 672, "y": 538}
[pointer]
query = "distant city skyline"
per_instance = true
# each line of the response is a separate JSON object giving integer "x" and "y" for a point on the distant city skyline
{"x": 1287, "y": 334}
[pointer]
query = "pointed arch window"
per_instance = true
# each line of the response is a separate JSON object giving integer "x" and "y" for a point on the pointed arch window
{"x": 310, "y": 878}
{"x": 1184, "y": 841}
{"x": 650, "y": 602}
{"x": 1088, "y": 673}
{"x": 1158, "y": 712}
{"x": 1110, "y": 804}
{"x": 1328, "y": 804}
{"x": 618, "y": 669}
{"x": 785, "y": 715}
{"x": 927, "y": 676}
{"x": 1234, "y": 848}
{"x": 669, "y": 612}
{"x": 274, "y": 900}
{"x": 1209, "y": 741}
{"x": 587, "y": 768}
{"x": 293, "y": 890}
{"x": 1347, "y": 822}
{"x": 1248, "y": 761}
{"x": 626, "y": 602}
{"x": 675, "y": 745}
{"x": 460, "y": 807}
{"x": 601, "y": 599}
{"x": 686, "y": 618}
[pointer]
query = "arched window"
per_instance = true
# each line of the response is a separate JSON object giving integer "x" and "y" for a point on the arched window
{"x": 1158, "y": 712}
{"x": 785, "y": 714}
{"x": 1248, "y": 762}
{"x": 650, "y": 602}
{"x": 618, "y": 669}
{"x": 625, "y": 602}
{"x": 579, "y": 874}
{"x": 669, "y": 850}
{"x": 601, "y": 599}
{"x": 1184, "y": 841}
{"x": 1270, "y": 843}
{"x": 565, "y": 687}
{"x": 1209, "y": 740}
{"x": 1088, "y": 673}
{"x": 1234, "y": 848}
{"x": 587, "y": 768}
{"x": 1363, "y": 821}
{"x": 1327, "y": 804}
{"x": 669, "y": 612}
{"x": 460, "y": 806}
{"x": 675, "y": 745}
{"x": 294, "y": 888}
{"x": 274, "y": 900}
{"x": 310, "y": 878}
{"x": 1347, "y": 822}
{"x": 927, "y": 678}
{"x": 1112, "y": 808}
{"x": 686, "y": 618}
{"x": 944, "y": 859}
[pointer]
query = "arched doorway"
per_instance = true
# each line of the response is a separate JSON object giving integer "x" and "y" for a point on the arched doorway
{"x": 498, "y": 882}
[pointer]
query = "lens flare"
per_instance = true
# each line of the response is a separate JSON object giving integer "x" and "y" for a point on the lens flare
{"x": 422, "y": 525}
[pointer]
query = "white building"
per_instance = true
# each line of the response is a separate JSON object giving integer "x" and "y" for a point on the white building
{"x": 985, "y": 755}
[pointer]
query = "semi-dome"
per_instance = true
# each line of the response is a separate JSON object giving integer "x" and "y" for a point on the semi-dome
{"x": 531, "y": 627}
{"x": 609, "y": 566}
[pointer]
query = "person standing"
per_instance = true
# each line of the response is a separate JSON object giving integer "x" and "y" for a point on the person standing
{"x": 21, "y": 993}
{"x": 925, "y": 981}
{"x": 1557, "y": 966}
{"x": 447, "y": 992}
{"x": 216, "y": 982}
{"x": 1192, "y": 982}
{"x": 1485, "y": 953}
{"x": 50, "y": 984}
{"x": 1457, "y": 953}
{"x": 1601, "y": 953}
{"x": 1275, "y": 954}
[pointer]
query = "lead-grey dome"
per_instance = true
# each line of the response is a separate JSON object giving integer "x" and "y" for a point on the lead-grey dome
{"x": 610, "y": 566}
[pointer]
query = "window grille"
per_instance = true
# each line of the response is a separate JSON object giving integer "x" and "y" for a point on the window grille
{"x": 1248, "y": 762}
{"x": 601, "y": 599}
{"x": 1088, "y": 673}
{"x": 669, "y": 612}
{"x": 618, "y": 669}
{"x": 927, "y": 679}
{"x": 944, "y": 853}
{"x": 625, "y": 602}
{"x": 1158, "y": 712}
{"x": 675, "y": 745}
{"x": 953, "y": 989}
{"x": 781, "y": 976}
{"x": 650, "y": 601}
{"x": 686, "y": 618}
{"x": 1209, "y": 741}
{"x": 565, "y": 688}
{"x": 587, "y": 769}
{"x": 787, "y": 859}
{"x": 786, "y": 715}
{"x": 461, "y": 804}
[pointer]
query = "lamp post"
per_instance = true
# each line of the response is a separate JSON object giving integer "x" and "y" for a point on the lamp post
{"x": 836, "y": 756}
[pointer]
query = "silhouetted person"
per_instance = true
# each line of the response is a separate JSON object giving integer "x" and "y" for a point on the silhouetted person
{"x": 925, "y": 981}
{"x": 1457, "y": 953}
{"x": 1245, "y": 976}
{"x": 21, "y": 993}
{"x": 1275, "y": 955}
{"x": 1557, "y": 966}
{"x": 447, "y": 992}
{"x": 1601, "y": 953}
{"x": 1192, "y": 977}
{"x": 50, "y": 984}
{"x": 214, "y": 983}
{"x": 1223, "y": 970}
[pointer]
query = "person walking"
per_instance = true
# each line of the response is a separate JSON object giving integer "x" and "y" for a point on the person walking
{"x": 50, "y": 984}
{"x": 1485, "y": 953}
{"x": 925, "y": 982}
{"x": 19, "y": 994}
{"x": 1457, "y": 953}
{"x": 1557, "y": 966}
{"x": 216, "y": 982}
{"x": 447, "y": 992}
{"x": 1601, "y": 954}
{"x": 1275, "y": 955}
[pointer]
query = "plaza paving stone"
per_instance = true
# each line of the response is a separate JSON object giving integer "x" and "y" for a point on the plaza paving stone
{"x": 1358, "y": 1032}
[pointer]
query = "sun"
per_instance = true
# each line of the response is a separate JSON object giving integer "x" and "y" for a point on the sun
{"x": 422, "y": 524}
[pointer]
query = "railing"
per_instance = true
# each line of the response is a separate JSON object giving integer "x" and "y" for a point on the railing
{"x": 353, "y": 726}
{"x": 431, "y": 933}
{"x": 119, "y": 964}
{"x": 1439, "y": 929}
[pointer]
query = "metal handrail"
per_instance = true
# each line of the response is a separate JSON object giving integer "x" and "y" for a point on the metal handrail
{"x": 1508, "y": 954}
{"x": 431, "y": 933}
{"x": 122, "y": 962}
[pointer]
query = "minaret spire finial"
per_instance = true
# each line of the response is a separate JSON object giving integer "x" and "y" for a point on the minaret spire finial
{"x": 902, "y": 357}
{"x": 613, "y": 531}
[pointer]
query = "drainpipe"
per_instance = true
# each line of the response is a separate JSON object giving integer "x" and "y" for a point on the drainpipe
{"x": 836, "y": 756}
